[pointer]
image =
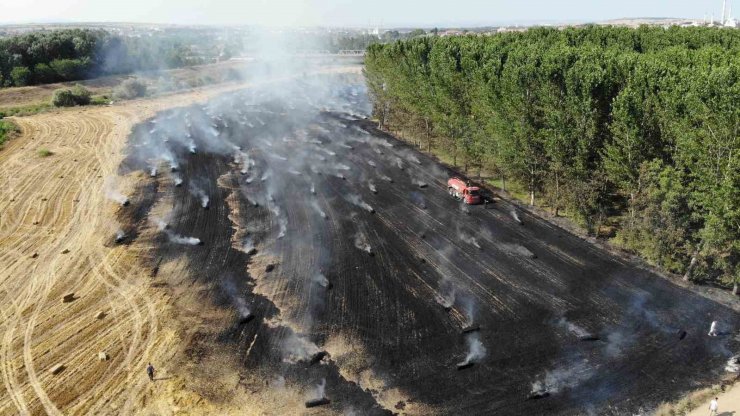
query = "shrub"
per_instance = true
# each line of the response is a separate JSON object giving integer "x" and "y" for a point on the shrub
{"x": 43, "y": 152}
{"x": 81, "y": 94}
{"x": 65, "y": 97}
{"x": 69, "y": 69}
{"x": 6, "y": 129}
{"x": 43, "y": 74}
{"x": 165, "y": 85}
{"x": 233, "y": 75}
{"x": 21, "y": 76}
{"x": 129, "y": 89}
{"x": 99, "y": 100}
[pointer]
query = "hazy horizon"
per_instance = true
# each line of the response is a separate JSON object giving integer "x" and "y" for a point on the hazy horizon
{"x": 344, "y": 13}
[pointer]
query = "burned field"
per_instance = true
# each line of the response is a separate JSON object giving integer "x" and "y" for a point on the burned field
{"x": 308, "y": 226}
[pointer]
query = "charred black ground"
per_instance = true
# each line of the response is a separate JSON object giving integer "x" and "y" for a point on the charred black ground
{"x": 369, "y": 245}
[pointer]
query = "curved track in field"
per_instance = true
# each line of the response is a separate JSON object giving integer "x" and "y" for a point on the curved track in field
{"x": 56, "y": 228}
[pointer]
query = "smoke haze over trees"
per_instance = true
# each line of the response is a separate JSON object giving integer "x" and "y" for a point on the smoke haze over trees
{"x": 43, "y": 57}
{"x": 642, "y": 124}
{"x": 74, "y": 54}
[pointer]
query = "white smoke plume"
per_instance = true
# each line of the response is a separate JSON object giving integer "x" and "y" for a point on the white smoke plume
{"x": 470, "y": 240}
{"x": 111, "y": 191}
{"x": 318, "y": 209}
{"x": 296, "y": 349}
{"x": 320, "y": 390}
{"x": 321, "y": 280}
{"x": 413, "y": 158}
{"x": 355, "y": 199}
{"x": 572, "y": 328}
{"x": 563, "y": 377}
{"x": 362, "y": 243}
{"x": 515, "y": 215}
{"x": 178, "y": 239}
{"x": 446, "y": 293}
{"x": 199, "y": 193}
{"x": 476, "y": 350}
{"x": 419, "y": 183}
{"x": 240, "y": 304}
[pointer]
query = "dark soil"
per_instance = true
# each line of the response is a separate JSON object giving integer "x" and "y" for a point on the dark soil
{"x": 535, "y": 291}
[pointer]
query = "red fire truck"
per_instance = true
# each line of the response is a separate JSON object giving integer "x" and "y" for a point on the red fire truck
{"x": 460, "y": 190}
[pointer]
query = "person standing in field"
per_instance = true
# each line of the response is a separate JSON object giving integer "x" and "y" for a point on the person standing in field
{"x": 713, "y": 407}
{"x": 150, "y": 371}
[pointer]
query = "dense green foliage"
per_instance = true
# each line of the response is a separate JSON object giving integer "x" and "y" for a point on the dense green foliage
{"x": 73, "y": 54}
{"x": 70, "y": 97}
{"x": 641, "y": 124}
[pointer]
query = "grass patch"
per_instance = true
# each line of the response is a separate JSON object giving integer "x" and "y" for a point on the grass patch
{"x": 44, "y": 152}
{"x": 7, "y": 129}
{"x": 41, "y": 107}
{"x": 25, "y": 110}
{"x": 513, "y": 188}
{"x": 99, "y": 100}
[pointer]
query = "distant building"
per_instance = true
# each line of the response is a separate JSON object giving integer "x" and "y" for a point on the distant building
{"x": 727, "y": 20}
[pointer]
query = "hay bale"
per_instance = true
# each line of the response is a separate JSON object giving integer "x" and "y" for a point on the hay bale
{"x": 316, "y": 358}
{"x": 100, "y": 315}
{"x": 317, "y": 402}
{"x": 471, "y": 328}
{"x": 102, "y": 356}
{"x": 465, "y": 365}
{"x": 65, "y": 251}
{"x": 69, "y": 297}
{"x": 57, "y": 369}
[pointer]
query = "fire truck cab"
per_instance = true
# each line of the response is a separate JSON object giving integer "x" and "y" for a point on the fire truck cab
{"x": 458, "y": 189}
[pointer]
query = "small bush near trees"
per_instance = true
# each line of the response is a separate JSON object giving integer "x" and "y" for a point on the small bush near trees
{"x": 21, "y": 76}
{"x": 130, "y": 89}
{"x": 66, "y": 97}
{"x": 6, "y": 129}
{"x": 233, "y": 75}
{"x": 69, "y": 69}
{"x": 43, "y": 74}
{"x": 81, "y": 94}
{"x": 63, "y": 98}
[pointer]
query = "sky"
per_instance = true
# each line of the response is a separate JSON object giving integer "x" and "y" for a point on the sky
{"x": 350, "y": 13}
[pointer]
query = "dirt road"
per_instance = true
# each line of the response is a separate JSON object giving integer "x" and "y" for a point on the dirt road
{"x": 729, "y": 404}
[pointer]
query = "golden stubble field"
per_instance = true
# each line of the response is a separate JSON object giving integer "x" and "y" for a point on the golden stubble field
{"x": 55, "y": 231}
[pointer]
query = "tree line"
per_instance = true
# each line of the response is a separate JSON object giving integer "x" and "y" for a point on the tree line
{"x": 74, "y": 54}
{"x": 636, "y": 127}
